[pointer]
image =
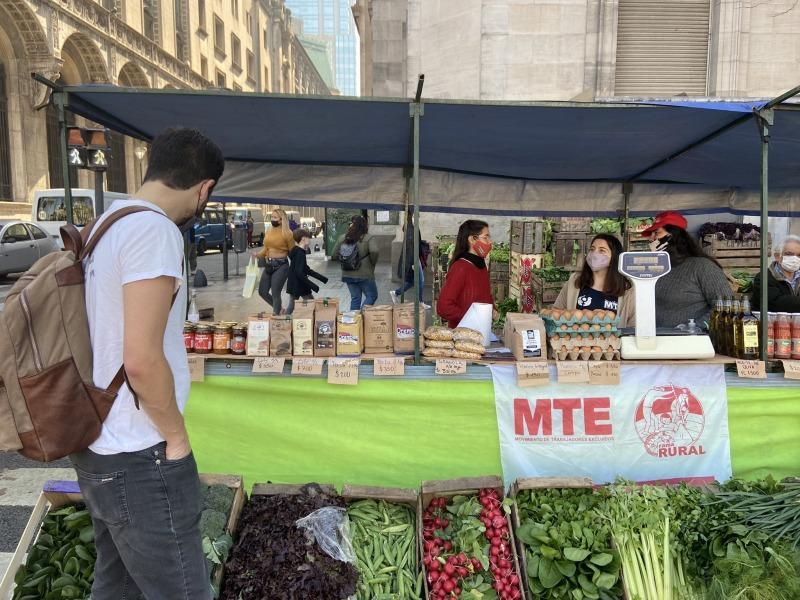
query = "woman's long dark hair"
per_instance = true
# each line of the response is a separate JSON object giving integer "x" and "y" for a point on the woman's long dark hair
{"x": 468, "y": 229}
{"x": 682, "y": 246}
{"x": 357, "y": 230}
{"x": 616, "y": 284}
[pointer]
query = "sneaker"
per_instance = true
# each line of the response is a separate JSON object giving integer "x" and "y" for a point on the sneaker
{"x": 393, "y": 296}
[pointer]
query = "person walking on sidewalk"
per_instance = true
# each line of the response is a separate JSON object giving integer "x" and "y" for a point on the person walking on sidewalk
{"x": 406, "y": 265}
{"x": 274, "y": 257}
{"x": 139, "y": 479}
{"x": 299, "y": 285}
{"x": 357, "y": 253}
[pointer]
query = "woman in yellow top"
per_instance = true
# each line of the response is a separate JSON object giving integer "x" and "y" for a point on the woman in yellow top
{"x": 274, "y": 257}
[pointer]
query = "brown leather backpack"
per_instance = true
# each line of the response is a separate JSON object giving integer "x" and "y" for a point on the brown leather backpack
{"x": 49, "y": 407}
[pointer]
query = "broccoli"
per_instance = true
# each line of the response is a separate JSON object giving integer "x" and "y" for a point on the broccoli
{"x": 212, "y": 524}
{"x": 218, "y": 497}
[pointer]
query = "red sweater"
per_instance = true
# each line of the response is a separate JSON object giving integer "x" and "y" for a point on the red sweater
{"x": 465, "y": 283}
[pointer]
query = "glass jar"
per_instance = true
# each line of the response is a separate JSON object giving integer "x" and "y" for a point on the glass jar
{"x": 783, "y": 336}
{"x": 239, "y": 339}
{"x": 188, "y": 336}
{"x": 203, "y": 338}
{"x": 222, "y": 338}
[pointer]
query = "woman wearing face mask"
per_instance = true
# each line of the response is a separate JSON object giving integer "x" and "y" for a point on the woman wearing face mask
{"x": 298, "y": 284}
{"x": 599, "y": 285}
{"x": 278, "y": 242}
{"x": 695, "y": 281}
{"x": 783, "y": 278}
{"x": 467, "y": 278}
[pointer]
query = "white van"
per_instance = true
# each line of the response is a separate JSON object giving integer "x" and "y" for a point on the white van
{"x": 48, "y": 210}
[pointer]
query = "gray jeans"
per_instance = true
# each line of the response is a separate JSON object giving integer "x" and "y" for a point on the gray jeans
{"x": 146, "y": 513}
{"x": 272, "y": 283}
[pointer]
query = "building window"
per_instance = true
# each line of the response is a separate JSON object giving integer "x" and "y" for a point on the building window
{"x": 237, "y": 87}
{"x": 201, "y": 15}
{"x": 204, "y": 67}
{"x": 248, "y": 19}
{"x": 266, "y": 40}
{"x": 220, "y": 79}
{"x": 251, "y": 66}
{"x": 150, "y": 19}
{"x": 5, "y": 143}
{"x": 235, "y": 9}
{"x": 236, "y": 52}
{"x": 266, "y": 85}
{"x": 182, "y": 30}
{"x": 219, "y": 35}
{"x": 116, "y": 176}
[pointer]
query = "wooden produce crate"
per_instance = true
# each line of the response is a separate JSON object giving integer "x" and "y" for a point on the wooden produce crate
{"x": 499, "y": 271}
{"x": 407, "y": 496}
{"x": 528, "y": 237}
{"x": 572, "y": 224}
{"x": 521, "y": 268}
{"x": 524, "y": 297}
{"x": 565, "y": 253}
{"x": 499, "y": 291}
{"x": 469, "y": 486}
{"x": 545, "y": 292}
{"x": 733, "y": 253}
{"x": 56, "y": 494}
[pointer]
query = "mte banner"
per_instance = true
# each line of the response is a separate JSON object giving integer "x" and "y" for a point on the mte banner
{"x": 661, "y": 423}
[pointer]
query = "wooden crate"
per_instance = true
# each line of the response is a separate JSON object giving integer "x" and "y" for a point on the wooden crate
{"x": 466, "y": 486}
{"x": 524, "y": 297}
{"x": 528, "y": 237}
{"x": 564, "y": 252}
{"x": 572, "y": 224}
{"x": 521, "y": 268}
{"x": 56, "y": 494}
{"x": 499, "y": 271}
{"x": 499, "y": 291}
{"x": 733, "y": 253}
{"x": 545, "y": 292}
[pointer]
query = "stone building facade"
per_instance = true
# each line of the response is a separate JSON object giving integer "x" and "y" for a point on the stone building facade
{"x": 243, "y": 45}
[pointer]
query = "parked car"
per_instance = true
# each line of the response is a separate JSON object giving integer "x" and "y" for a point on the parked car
{"x": 48, "y": 211}
{"x": 21, "y": 245}
{"x": 310, "y": 223}
{"x": 210, "y": 230}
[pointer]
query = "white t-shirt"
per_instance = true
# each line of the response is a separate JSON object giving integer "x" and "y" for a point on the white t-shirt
{"x": 140, "y": 246}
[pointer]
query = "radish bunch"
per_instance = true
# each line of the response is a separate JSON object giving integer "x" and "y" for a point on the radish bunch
{"x": 467, "y": 548}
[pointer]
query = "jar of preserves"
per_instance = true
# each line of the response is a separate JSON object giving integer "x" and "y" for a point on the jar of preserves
{"x": 783, "y": 336}
{"x": 203, "y": 338}
{"x": 796, "y": 336}
{"x": 188, "y": 336}
{"x": 771, "y": 318}
{"x": 222, "y": 338}
{"x": 239, "y": 339}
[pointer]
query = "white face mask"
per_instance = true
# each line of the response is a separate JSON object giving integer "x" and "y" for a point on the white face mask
{"x": 790, "y": 263}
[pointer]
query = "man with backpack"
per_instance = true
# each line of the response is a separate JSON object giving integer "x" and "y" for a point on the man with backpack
{"x": 101, "y": 375}
{"x": 357, "y": 253}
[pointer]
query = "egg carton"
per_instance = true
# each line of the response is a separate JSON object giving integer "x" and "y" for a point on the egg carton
{"x": 564, "y": 355}
{"x": 570, "y": 342}
{"x": 585, "y": 328}
{"x": 579, "y": 317}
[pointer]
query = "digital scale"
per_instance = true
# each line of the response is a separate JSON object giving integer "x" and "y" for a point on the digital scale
{"x": 644, "y": 269}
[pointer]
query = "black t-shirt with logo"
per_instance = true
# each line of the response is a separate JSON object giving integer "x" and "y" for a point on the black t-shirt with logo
{"x": 591, "y": 299}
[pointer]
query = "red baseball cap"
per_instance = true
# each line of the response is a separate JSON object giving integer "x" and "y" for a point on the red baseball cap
{"x": 669, "y": 217}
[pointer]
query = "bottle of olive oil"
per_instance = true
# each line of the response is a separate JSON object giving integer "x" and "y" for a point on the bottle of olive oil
{"x": 747, "y": 336}
{"x": 734, "y": 329}
{"x": 724, "y": 328}
{"x": 713, "y": 323}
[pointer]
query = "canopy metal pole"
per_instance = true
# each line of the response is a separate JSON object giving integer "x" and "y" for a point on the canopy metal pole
{"x": 765, "y": 119}
{"x": 224, "y": 243}
{"x": 60, "y": 101}
{"x": 627, "y": 188}
{"x": 404, "y": 251}
{"x": 417, "y": 111}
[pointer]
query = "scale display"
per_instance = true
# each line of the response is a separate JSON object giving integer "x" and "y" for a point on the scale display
{"x": 644, "y": 265}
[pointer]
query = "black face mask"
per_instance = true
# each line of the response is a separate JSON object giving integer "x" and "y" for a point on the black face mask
{"x": 275, "y": 223}
{"x": 190, "y": 222}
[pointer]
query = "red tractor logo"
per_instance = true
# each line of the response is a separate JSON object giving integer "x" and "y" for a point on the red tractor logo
{"x": 670, "y": 420}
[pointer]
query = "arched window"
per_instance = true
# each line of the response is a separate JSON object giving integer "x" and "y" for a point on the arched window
{"x": 5, "y": 144}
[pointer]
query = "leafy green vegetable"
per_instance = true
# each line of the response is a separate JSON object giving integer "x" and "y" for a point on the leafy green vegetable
{"x": 212, "y": 523}
{"x": 218, "y": 497}
{"x": 601, "y": 225}
{"x": 500, "y": 253}
{"x": 552, "y": 274}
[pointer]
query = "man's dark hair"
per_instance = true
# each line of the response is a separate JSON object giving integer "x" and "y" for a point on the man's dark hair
{"x": 301, "y": 233}
{"x": 181, "y": 158}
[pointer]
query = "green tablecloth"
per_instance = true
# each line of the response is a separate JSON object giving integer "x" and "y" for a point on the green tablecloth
{"x": 399, "y": 432}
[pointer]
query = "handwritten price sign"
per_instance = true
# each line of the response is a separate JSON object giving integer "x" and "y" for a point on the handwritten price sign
{"x": 343, "y": 371}
{"x": 307, "y": 366}
{"x": 572, "y": 371}
{"x": 532, "y": 374}
{"x": 751, "y": 369}
{"x": 391, "y": 366}
{"x": 791, "y": 369}
{"x": 450, "y": 366}
{"x": 197, "y": 368}
{"x": 602, "y": 372}
{"x": 268, "y": 365}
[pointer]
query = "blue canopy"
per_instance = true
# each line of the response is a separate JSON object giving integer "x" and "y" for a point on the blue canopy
{"x": 353, "y": 151}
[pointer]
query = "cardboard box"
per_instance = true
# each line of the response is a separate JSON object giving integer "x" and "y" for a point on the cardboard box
{"x": 303, "y": 328}
{"x": 525, "y": 336}
{"x": 326, "y": 311}
{"x": 56, "y": 494}
{"x": 258, "y": 334}
{"x": 280, "y": 335}
{"x": 378, "y": 329}
{"x": 404, "y": 332}
{"x": 350, "y": 334}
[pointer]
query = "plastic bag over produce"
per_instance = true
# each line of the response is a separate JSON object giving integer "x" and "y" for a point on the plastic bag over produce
{"x": 331, "y": 529}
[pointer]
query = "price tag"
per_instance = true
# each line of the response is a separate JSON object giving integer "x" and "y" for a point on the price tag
{"x": 343, "y": 371}
{"x": 450, "y": 366}
{"x": 307, "y": 366}
{"x": 791, "y": 369}
{"x": 531, "y": 374}
{"x": 604, "y": 372}
{"x": 572, "y": 371}
{"x": 265, "y": 364}
{"x": 751, "y": 369}
{"x": 197, "y": 368}
{"x": 389, "y": 366}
